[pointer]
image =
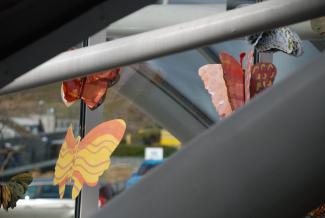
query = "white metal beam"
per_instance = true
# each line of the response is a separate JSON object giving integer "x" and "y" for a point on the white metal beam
{"x": 158, "y": 16}
{"x": 224, "y": 26}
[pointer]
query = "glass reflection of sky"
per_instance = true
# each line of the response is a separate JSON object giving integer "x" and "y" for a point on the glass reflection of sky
{"x": 181, "y": 71}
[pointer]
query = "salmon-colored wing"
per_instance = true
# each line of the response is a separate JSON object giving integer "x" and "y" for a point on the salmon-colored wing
{"x": 212, "y": 76}
{"x": 263, "y": 75}
{"x": 234, "y": 78}
{"x": 96, "y": 85}
{"x": 94, "y": 93}
{"x": 64, "y": 164}
{"x": 94, "y": 151}
{"x": 71, "y": 91}
{"x": 91, "y": 89}
{"x": 248, "y": 74}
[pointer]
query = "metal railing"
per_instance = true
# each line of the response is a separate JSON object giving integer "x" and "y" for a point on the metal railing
{"x": 149, "y": 45}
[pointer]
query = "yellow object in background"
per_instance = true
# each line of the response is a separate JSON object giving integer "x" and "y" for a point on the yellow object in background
{"x": 128, "y": 139}
{"x": 167, "y": 139}
{"x": 83, "y": 161}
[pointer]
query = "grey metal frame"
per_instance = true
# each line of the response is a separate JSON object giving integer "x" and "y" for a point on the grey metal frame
{"x": 90, "y": 195}
{"x": 146, "y": 19}
{"x": 128, "y": 50}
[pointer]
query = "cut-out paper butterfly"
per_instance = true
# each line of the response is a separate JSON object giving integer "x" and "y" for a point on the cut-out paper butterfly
{"x": 91, "y": 89}
{"x": 12, "y": 191}
{"x": 83, "y": 161}
{"x": 230, "y": 86}
{"x": 280, "y": 39}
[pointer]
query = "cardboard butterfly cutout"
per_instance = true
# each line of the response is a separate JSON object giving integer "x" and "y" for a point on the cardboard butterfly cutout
{"x": 91, "y": 89}
{"x": 12, "y": 191}
{"x": 280, "y": 39}
{"x": 83, "y": 161}
{"x": 230, "y": 87}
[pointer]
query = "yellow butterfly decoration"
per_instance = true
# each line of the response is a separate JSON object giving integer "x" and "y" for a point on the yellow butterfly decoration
{"x": 84, "y": 161}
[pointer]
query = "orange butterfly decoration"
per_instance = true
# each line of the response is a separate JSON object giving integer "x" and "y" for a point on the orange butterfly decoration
{"x": 230, "y": 86}
{"x": 84, "y": 160}
{"x": 91, "y": 89}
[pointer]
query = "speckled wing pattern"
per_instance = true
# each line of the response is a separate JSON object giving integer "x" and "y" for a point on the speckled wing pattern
{"x": 212, "y": 76}
{"x": 263, "y": 75}
{"x": 85, "y": 161}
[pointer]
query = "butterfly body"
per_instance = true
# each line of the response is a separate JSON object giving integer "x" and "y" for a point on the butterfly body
{"x": 83, "y": 161}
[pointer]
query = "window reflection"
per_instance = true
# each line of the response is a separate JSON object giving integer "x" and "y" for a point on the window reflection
{"x": 32, "y": 127}
{"x": 128, "y": 162}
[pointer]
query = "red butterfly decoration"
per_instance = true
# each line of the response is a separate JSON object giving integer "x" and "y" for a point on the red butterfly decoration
{"x": 230, "y": 86}
{"x": 91, "y": 89}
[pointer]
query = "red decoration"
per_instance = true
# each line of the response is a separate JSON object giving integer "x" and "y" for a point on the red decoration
{"x": 229, "y": 85}
{"x": 91, "y": 89}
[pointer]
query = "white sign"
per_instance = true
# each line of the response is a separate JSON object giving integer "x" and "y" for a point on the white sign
{"x": 154, "y": 153}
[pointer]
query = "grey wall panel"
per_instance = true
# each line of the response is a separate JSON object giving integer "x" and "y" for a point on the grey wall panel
{"x": 266, "y": 160}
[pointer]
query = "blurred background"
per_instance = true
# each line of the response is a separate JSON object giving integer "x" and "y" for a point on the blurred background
{"x": 33, "y": 124}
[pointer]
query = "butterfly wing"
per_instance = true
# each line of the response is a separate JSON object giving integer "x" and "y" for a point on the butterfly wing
{"x": 93, "y": 156}
{"x": 14, "y": 190}
{"x": 96, "y": 85}
{"x": 263, "y": 75}
{"x": 5, "y": 197}
{"x": 71, "y": 91}
{"x": 64, "y": 164}
{"x": 234, "y": 78}
{"x": 18, "y": 186}
{"x": 212, "y": 76}
{"x": 248, "y": 74}
{"x": 24, "y": 179}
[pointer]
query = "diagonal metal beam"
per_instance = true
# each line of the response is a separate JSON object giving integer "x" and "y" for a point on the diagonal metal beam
{"x": 145, "y": 46}
{"x": 263, "y": 161}
{"x": 146, "y": 19}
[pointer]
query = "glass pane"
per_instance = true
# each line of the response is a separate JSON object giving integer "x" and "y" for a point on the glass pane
{"x": 132, "y": 159}
{"x": 181, "y": 72}
{"x": 33, "y": 124}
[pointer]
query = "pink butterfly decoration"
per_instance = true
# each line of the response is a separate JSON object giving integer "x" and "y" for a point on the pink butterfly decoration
{"x": 230, "y": 86}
